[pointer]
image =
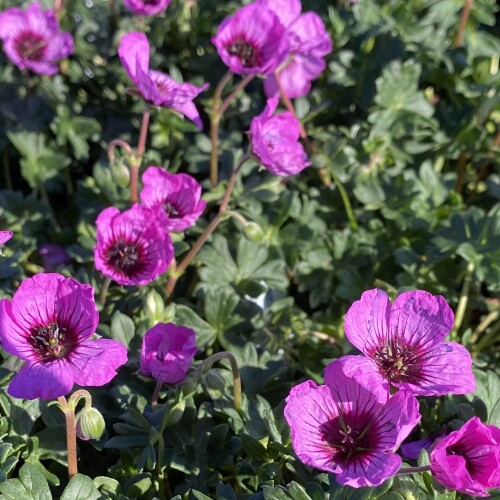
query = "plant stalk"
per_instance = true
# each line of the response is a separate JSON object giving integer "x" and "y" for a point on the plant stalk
{"x": 414, "y": 470}
{"x": 462, "y": 24}
{"x": 464, "y": 299}
{"x": 217, "y": 111}
{"x": 118, "y": 143}
{"x": 137, "y": 158}
{"x": 104, "y": 292}
{"x": 347, "y": 203}
{"x": 156, "y": 393}
{"x": 46, "y": 200}
{"x": 69, "y": 414}
{"x": 288, "y": 104}
{"x": 179, "y": 271}
{"x": 236, "y": 374}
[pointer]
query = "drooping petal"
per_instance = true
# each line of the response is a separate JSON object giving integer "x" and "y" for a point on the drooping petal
{"x": 42, "y": 380}
{"x": 445, "y": 368}
{"x": 369, "y": 469}
{"x": 134, "y": 53}
{"x": 146, "y": 7}
{"x": 94, "y": 362}
{"x": 420, "y": 318}
{"x": 5, "y": 236}
{"x": 309, "y": 411}
{"x": 293, "y": 78}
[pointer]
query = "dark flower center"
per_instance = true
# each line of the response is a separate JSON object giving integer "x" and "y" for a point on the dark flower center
{"x": 30, "y": 46}
{"x": 124, "y": 256}
{"x": 171, "y": 210}
{"x": 247, "y": 53}
{"x": 346, "y": 440}
{"x": 49, "y": 341}
{"x": 150, "y": 2}
{"x": 397, "y": 361}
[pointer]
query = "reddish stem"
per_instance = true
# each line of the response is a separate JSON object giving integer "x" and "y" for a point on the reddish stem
{"x": 69, "y": 415}
{"x": 464, "y": 18}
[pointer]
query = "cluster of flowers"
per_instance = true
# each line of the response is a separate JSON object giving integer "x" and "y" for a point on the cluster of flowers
{"x": 50, "y": 324}
{"x": 134, "y": 247}
{"x": 353, "y": 425}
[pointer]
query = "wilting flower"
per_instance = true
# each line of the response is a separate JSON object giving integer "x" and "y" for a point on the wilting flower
{"x": 49, "y": 324}
{"x": 468, "y": 460}
{"x": 146, "y": 7}
{"x": 252, "y": 41}
{"x": 167, "y": 352}
{"x": 132, "y": 247}
{"x": 177, "y": 195}
{"x": 309, "y": 44}
{"x": 275, "y": 141}
{"x": 405, "y": 342}
{"x": 52, "y": 256}
{"x": 156, "y": 88}
{"x": 32, "y": 39}
{"x": 350, "y": 426}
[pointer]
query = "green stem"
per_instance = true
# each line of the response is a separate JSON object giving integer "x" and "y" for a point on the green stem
{"x": 104, "y": 292}
{"x": 414, "y": 470}
{"x": 464, "y": 299}
{"x": 69, "y": 414}
{"x": 172, "y": 280}
{"x": 347, "y": 203}
{"x": 137, "y": 158}
{"x": 236, "y": 374}
{"x": 161, "y": 469}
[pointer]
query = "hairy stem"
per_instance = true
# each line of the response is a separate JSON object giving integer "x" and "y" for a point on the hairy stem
{"x": 217, "y": 112}
{"x": 288, "y": 103}
{"x": 462, "y": 24}
{"x": 236, "y": 374}
{"x": 118, "y": 143}
{"x": 46, "y": 200}
{"x": 172, "y": 280}
{"x": 156, "y": 393}
{"x": 69, "y": 414}
{"x": 137, "y": 158}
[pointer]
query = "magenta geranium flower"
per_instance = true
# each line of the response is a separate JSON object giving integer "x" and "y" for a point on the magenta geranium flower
{"x": 177, "y": 195}
{"x": 350, "y": 426}
{"x": 156, "y": 88}
{"x": 275, "y": 141}
{"x": 167, "y": 352}
{"x": 309, "y": 44}
{"x": 468, "y": 460}
{"x": 49, "y": 324}
{"x": 405, "y": 342}
{"x": 252, "y": 41}
{"x": 146, "y": 7}
{"x": 132, "y": 247}
{"x": 32, "y": 39}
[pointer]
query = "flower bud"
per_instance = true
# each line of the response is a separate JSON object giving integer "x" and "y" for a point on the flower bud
{"x": 89, "y": 424}
{"x": 254, "y": 232}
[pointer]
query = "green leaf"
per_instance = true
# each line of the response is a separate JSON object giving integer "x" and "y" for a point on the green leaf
{"x": 205, "y": 334}
{"x": 488, "y": 391}
{"x": 35, "y": 482}
{"x": 122, "y": 328}
{"x": 80, "y": 487}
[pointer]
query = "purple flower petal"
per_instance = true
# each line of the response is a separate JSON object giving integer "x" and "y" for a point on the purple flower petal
{"x": 367, "y": 321}
{"x": 95, "y": 362}
{"x": 134, "y": 53}
{"x": 5, "y": 236}
{"x": 146, "y": 7}
{"x": 42, "y": 380}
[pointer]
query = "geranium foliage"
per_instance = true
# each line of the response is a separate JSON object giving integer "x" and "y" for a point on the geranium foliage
{"x": 255, "y": 244}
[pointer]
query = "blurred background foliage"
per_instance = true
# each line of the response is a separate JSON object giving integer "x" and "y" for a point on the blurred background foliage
{"x": 404, "y": 192}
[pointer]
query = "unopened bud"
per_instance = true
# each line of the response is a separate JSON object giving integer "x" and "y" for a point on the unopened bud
{"x": 254, "y": 232}
{"x": 89, "y": 424}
